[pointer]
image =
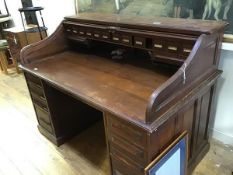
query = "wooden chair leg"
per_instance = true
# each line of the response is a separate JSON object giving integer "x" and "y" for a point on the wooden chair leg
{"x": 15, "y": 63}
{"x": 3, "y": 62}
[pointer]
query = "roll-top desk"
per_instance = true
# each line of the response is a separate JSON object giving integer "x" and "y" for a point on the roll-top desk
{"x": 148, "y": 79}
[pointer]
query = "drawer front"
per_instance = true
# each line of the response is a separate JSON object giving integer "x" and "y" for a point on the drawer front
{"x": 33, "y": 79}
{"x": 125, "y": 167}
{"x": 89, "y": 34}
{"x": 97, "y": 34}
{"x": 124, "y": 149}
{"x": 36, "y": 89}
{"x": 139, "y": 42}
{"x": 106, "y": 36}
{"x": 41, "y": 103}
{"x": 43, "y": 118}
{"x": 42, "y": 114}
{"x": 116, "y": 38}
{"x": 127, "y": 131}
{"x": 126, "y": 40}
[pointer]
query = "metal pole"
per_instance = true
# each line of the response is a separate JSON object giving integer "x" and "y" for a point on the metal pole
{"x": 24, "y": 28}
{"x": 42, "y": 19}
{"x": 38, "y": 26}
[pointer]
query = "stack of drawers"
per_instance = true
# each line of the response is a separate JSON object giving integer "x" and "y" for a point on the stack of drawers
{"x": 127, "y": 146}
{"x": 166, "y": 48}
{"x": 39, "y": 101}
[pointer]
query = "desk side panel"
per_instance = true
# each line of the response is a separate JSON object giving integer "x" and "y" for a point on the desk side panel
{"x": 201, "y": 63}
{"x": 51, "y": 45}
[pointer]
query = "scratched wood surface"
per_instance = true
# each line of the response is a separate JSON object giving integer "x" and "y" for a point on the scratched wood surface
{"x": 120, "y": 88}
{"x": 23, "y": 150}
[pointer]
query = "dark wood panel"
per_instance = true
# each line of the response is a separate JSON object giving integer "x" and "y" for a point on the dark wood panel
{"x": 196, "y": 27}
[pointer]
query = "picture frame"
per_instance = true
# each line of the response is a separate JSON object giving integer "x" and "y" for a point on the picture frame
{"x": 173, "y": 160}
{"x": 221, "y": 10}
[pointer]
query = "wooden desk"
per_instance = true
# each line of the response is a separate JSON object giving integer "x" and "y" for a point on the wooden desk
{"x": 160, "y": 87}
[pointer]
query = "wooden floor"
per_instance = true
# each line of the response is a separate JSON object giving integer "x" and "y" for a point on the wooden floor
{"x": 24, "y": 151}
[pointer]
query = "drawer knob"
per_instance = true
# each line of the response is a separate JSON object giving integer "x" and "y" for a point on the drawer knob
{"x": 172, "y": 48}
{"x": 82, "y": 33}
{"x": 159, "y": 46}
{"x": 97, "y": 35}
{"x": 139, "y": 43}
{"x": 89, "y": 34}
{"x": 115, "y": 39}
{"x": 187, "y": 50}
{"x": 75, "y": 31}
{"x": 126, "y": 40}
{"x": 105, "y": 37}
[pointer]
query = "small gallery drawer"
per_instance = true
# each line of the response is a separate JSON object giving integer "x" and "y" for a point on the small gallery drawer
{"x": 105, "y": 36}
{"x": 46, "y": 126}
{"x": 122, "y": 148}
{"x": 42, "y": 114}
{"x": 68, "y": 28}
{"x": 35, "y": 88}
{"x": 187, "y": 49}
{"x": 158, "y": 44}
{"x": 139, "y": 42}
{"x": 97, "y": 34}
{"x": 38, "y": 98}
{"x": 126, "y": 40}
{"x": 43, "y": 118}
{"x": 89, "y": 34}
{"x": 81, "y": 31}
{"x": 131, "y": 133}
{"x": 172, "y": 48}
{"x": 125, "y": 167}
{"x": 116, "y": 38}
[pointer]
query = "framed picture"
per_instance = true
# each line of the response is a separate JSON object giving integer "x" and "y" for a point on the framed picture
{"x": 173, "y": 160}
{"x": 190, "y": 9}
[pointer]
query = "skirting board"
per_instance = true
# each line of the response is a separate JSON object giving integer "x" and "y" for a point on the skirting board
{"x": 226, "y": 139}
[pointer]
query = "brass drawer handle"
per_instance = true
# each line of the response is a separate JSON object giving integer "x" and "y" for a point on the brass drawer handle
{"x": 187, "y": 50}
{"x": 89, "y": 34}
{"x": 116, "y": 39}
{"x": 75, "y": 31}
{"x": 126, "y": 40}
{"x": 105, "y": 36}
{"x": 136, "y": 135}
{"x": 82, "y": 33}
{"x": 172, "y": 48}
{"x": 159, "y": 46}
{"x": 97, "y": 35}
{"x": 139, "y": 43}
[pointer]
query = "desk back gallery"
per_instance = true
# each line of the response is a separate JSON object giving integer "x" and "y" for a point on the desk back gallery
{"x": 148, "y": 79}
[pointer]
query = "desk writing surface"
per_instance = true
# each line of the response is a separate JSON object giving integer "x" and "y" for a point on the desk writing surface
{"x": 119, "y": 88}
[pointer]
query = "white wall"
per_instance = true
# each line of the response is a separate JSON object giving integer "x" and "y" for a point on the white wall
{"x": 221, "y": 125}
{"x": 55, "y": 11}
{"x": 13, "y": 6}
